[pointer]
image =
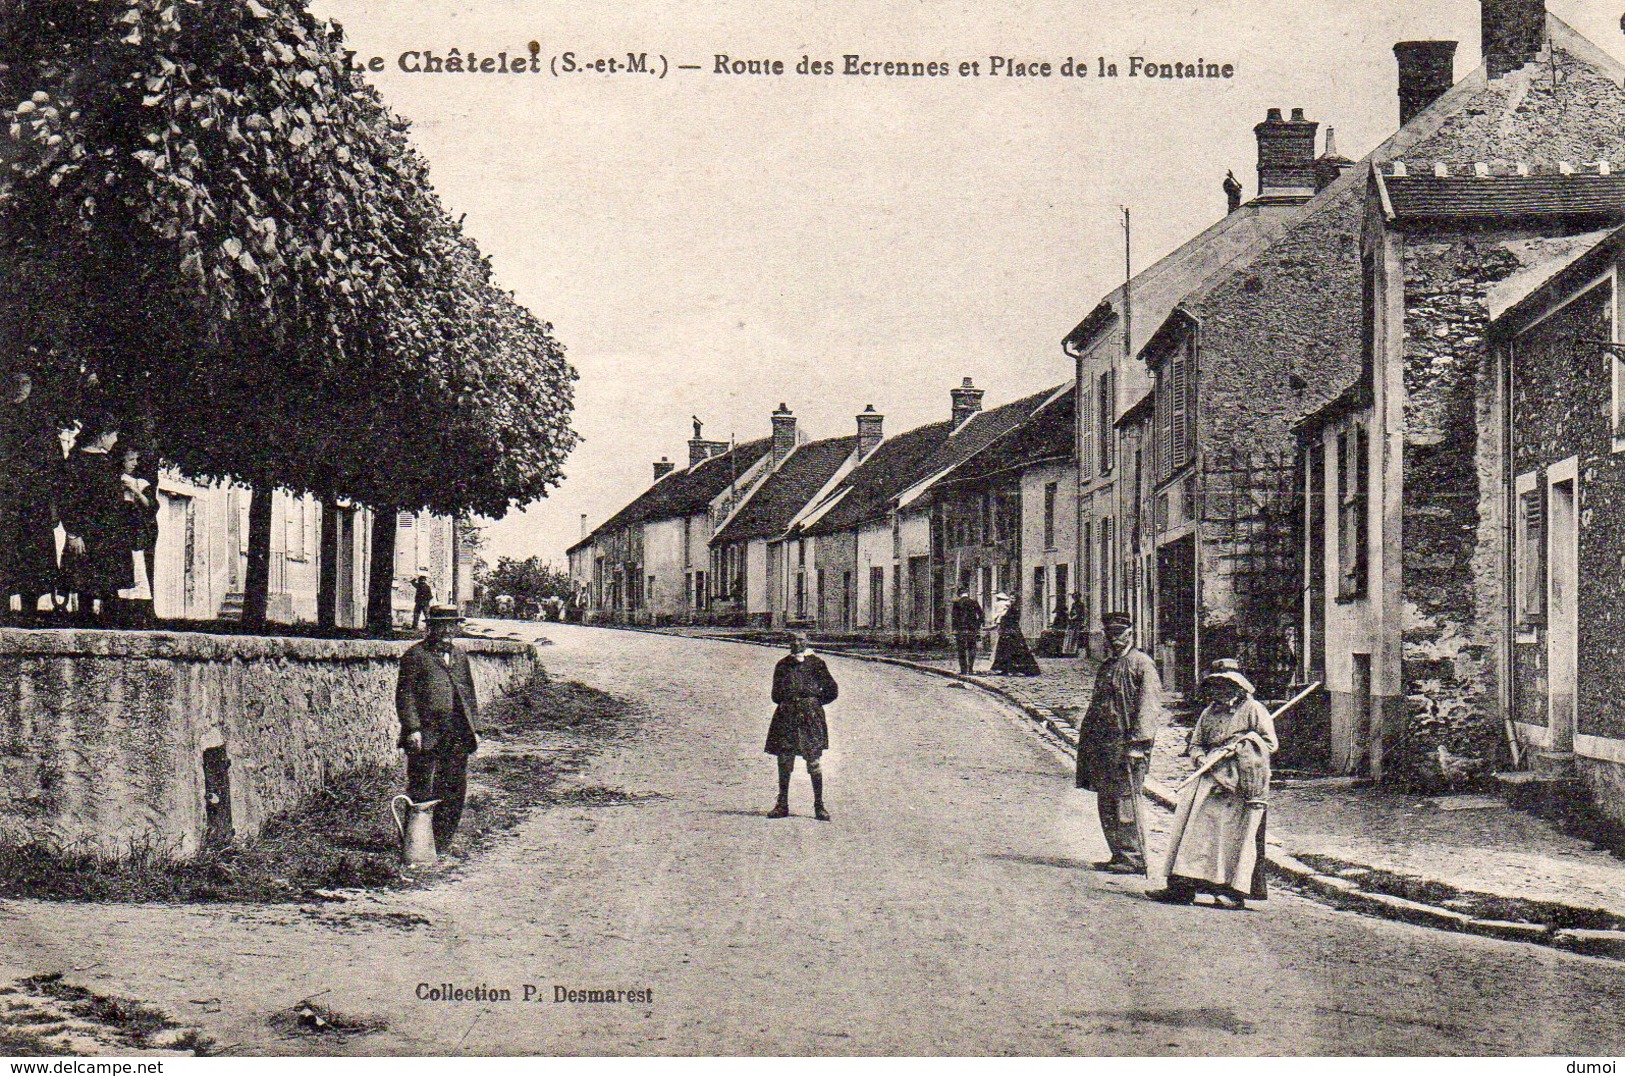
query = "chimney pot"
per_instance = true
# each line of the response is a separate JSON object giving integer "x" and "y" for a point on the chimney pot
{"x": 1286, "y": 157}
{"x": 869, "y": 430}
{"x": 1232, "y": 192}
{"x": 1513, "y": 32}
{"x": 1426, "y": 70}
{"x": 1331, "y": 165}
{"x": 967, "y": 401}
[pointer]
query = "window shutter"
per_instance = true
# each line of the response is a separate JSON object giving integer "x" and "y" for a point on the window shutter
{"x": 1087, "y": 438}
{"x": 1362, "y": 498}
{"x": 1105, "y": 422}
{"x": 1179, "y": 414}
{"x": 1535, "y": 544}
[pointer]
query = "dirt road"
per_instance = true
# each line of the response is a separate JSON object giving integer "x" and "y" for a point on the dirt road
{"x": 948, "y": 908}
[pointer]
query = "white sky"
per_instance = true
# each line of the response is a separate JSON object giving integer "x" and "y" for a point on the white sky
{"x": 713, "y": 245}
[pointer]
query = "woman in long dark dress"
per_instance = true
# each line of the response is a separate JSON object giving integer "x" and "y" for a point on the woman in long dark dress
{"x": 802, "y": 687}
{"x": 30, "y": 475}
{"x": 1011, "y": 655}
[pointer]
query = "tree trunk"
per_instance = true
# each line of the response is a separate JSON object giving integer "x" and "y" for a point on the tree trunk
{"x": 456, "y": 567}
{"x": 381, "y": 571}
{"x": 327, "y": 584}
{"x": 257, "y": 584}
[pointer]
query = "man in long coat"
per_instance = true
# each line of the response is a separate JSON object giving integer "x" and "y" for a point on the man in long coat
{"x": 439, "y": 714}
{"x": 802, "y": 687}
{"x": 967, "y": 618}
{"x": 1114, "y": 743}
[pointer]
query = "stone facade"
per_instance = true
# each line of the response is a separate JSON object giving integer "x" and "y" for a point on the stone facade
{"x": 1565, "y": 469}
{"x": 105, "y": 737}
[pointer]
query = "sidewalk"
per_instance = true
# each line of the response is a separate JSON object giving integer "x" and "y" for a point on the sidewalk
{"x": 1468, "y": 863}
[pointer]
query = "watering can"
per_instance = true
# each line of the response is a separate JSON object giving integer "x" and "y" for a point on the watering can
{"x": 416, "y": 824}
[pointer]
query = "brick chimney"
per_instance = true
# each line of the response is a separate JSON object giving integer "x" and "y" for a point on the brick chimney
{"x": 1513, "y": 32}
{"x": 967, "y": 401}
{"x": 700, "y": 450}
{"x": 663, "y": 467}
{"x": 1426, "y": 70}
{"x": 784, "y": 434}
{"x": 1286, "y": 157}
{"x": 1329, "y": 166}
{"x": 869, "y": 433}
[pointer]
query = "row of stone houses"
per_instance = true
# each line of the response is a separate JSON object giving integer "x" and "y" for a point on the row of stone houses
{"x": 1373, "y": 447}
{"x": 859, "y": 534}
{"x": 1360, "y": 431}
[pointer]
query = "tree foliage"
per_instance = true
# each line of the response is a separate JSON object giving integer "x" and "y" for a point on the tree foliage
{"x": 531, "y": 579}
{"x": 210, "y": 215}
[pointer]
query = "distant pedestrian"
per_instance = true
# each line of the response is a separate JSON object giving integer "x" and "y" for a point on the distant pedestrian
{"x": 439, "y": 714}
{"x": 1011, "y": 655}
{"x": 422, "y": 598}
{"x": 967, "y": 617}
{"x": 1217, "y": 842}
{"x": 1077, "y": 627}
{"x": 1114, "y": 743}
{"x": 802, "y": 687}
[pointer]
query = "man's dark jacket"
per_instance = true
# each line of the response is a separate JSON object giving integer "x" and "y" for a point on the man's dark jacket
{"x": 427, "y": 697}
{"x": 1124, "y": 712}
{"x": 967, "y": 615}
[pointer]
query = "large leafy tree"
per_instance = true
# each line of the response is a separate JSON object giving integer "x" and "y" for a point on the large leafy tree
{"x": 210, "y": 215}
{"x": 528, "y": 580}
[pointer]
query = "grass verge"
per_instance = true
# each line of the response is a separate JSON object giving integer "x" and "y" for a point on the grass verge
{"x": 343, "y": 837}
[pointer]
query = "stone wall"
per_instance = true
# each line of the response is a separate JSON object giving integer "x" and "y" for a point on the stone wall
{"x": 1452, "y": 514}
{"x": 103, "y": 734}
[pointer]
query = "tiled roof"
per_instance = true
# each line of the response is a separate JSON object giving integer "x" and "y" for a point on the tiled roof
{"x": 768, "y": 511}
{"x": 1465, "y": 94}
{"x": 1516, "y": 300}
{"x": 1159, "y": 287}
{"x": 1047, "y": 435}
{"x": 1452, "y": 198}
{"x": 686, "y": 492}
{"x": 980, "y": 431}
{"x": 892, "y": 467}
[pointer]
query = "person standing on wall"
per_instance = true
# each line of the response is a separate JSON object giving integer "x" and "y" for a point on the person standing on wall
{"x": 94, "y": 560}
{"x": 1114, "y": 743}
{"x": 30, "y": 473}
{"x": 966, "y": 616}
{"x": 439, "y": 715}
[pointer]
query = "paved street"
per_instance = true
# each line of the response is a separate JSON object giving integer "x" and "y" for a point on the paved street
{"x": 947, "y": 909}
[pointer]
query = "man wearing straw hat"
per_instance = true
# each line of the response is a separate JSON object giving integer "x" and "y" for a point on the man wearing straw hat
{"x": 439, "y": 714}
{"x": 1114, "y": 743}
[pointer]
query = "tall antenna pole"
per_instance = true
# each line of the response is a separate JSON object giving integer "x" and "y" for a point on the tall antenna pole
{"x": 1128, "y": 275}
{"x": 1110, "y": 415}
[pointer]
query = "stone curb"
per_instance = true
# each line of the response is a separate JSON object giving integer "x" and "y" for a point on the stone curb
{"x": 1339, "y": 892}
